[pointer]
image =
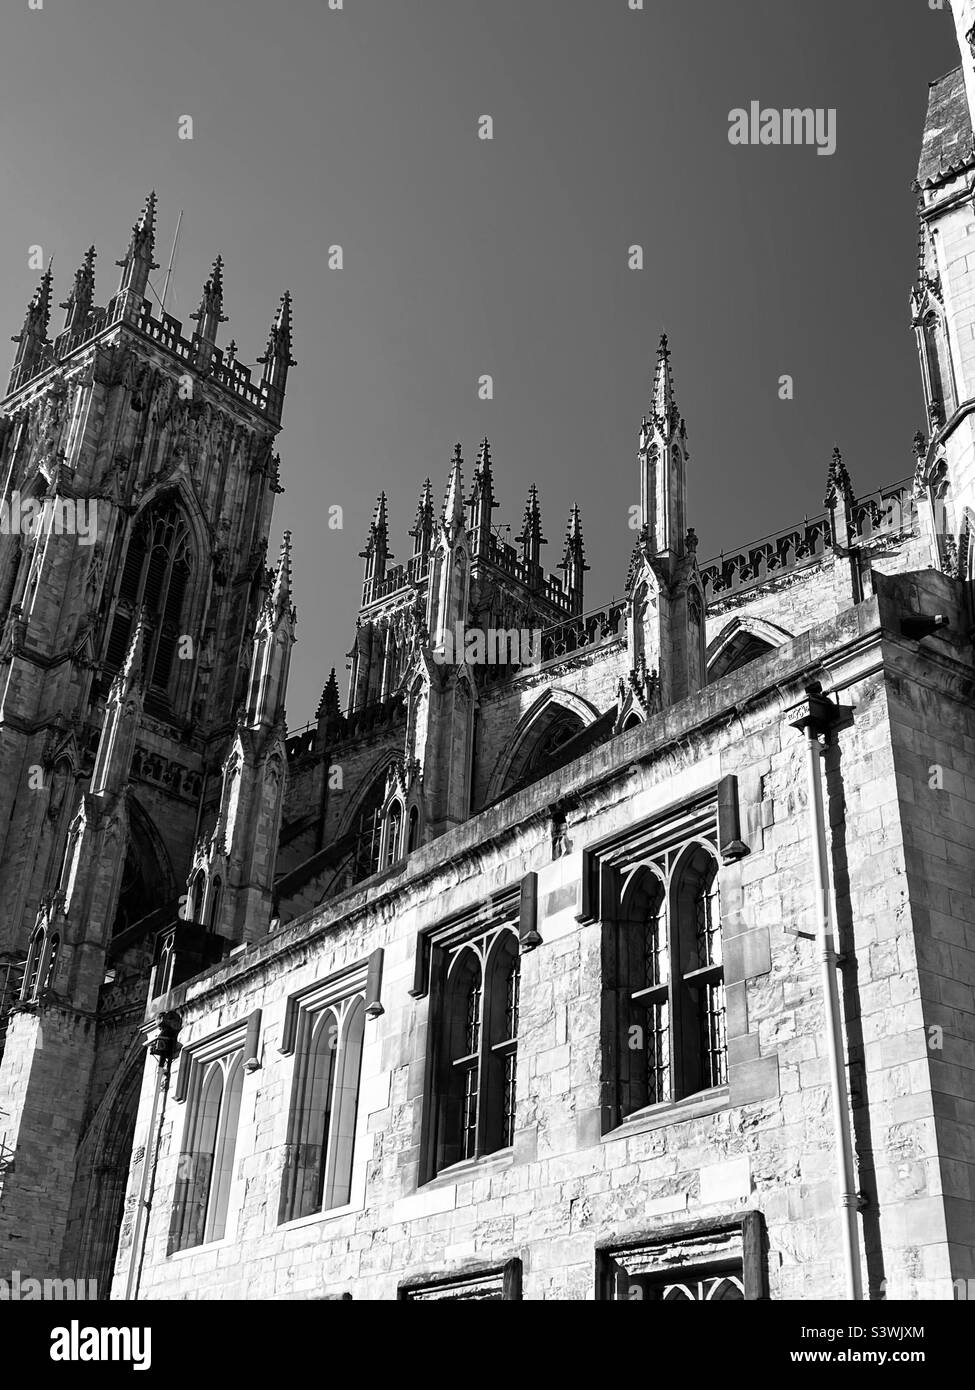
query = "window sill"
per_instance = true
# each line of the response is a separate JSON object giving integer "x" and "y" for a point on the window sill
{"x": 203, "y": 1249}
{"x": 670, "y": 1112}
{"x": 332, "y": 1214}
{"x": 469, "y": 1168}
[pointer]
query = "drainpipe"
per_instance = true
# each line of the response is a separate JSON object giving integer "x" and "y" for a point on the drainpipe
{"x": 818, "y": 717}
{"x": 162, "y": 1046}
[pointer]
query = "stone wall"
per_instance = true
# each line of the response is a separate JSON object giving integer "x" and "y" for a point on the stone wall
{"x": 766, "y": 1143}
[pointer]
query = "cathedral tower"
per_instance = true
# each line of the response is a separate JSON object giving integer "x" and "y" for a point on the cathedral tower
{"x": 138, "y": 476}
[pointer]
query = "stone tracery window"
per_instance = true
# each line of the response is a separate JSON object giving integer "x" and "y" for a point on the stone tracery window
{"x": 206, "y": 1163}
{"x": 663, "y": 995}
{"x": 155, "y": 577}
{"x": 318, "y": 1174}
{"x": 477, "y": 1048}
{"x": 698, "y": 1262}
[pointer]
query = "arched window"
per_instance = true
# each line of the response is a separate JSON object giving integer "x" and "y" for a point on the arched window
{"x": 394, "y": 830}
{"x": 477, "y": 1057}
{"x": 196, "y": 1164}
{"x": 939, "y": 402}
{"x": 206, "y": 1165}
{"x": 213, "y": 912}
{"x": 413, "y": 836}
{"x": 223, "y": 1162}
{"x": 194, "y": 906}
{"x": 699, "y": 977}
{"x": 345, "y": 1104}
{"x": 35, "y": 957}
{"x": 257, "y": 676}
{"x": 368, "y": 833}
{"x": 457, "y": 1129}
{"x": 67, "y": 863}
{"x": 663, "y": 997}
{"x": 314, "y": 1115}
{"x": 501, "y": 1051}
{"x": 155, "y": 577}
{"x": 51, "y": 969}
{"x": 642, "y": 973}
{"x": 322, "y": 1125}
{"x": 695, "y": 635}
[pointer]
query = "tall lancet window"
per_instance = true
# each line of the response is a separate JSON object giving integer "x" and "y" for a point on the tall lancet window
{"x": 477, "y": 1049}
{"x": 155, "y": 577}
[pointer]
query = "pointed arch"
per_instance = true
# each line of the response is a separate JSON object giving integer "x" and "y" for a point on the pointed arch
{"x": 459, "y": 1094}
{"x": 376, "y": 774}
{"x": 413, "y": 830}
{"x": 554, "y": 717}
{"x": 345, "y": 1105}
{"x": 35, "y": 955}
{"x": 741, "y": 641}
{"x": 696, "y": 938}
{"x": 363, "y": 824}
{"x": 102, "y": 1168}
{"x": 147, "y": 874}
{"x": 163, "y": 569}
{"x": 393, "y": 833}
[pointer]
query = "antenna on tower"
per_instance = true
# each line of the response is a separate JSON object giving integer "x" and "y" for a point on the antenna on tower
{"x": 172, "y": 258}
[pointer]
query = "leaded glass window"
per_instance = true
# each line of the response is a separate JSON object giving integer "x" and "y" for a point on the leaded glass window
{"x": 475, "y": 1103}
{"x": 665, "y": 980}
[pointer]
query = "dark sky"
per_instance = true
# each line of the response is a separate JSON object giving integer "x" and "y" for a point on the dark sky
{"x": 465, "y": 257}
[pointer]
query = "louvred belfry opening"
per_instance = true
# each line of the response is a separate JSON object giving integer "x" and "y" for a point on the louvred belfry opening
{"x": 155, "y": 577}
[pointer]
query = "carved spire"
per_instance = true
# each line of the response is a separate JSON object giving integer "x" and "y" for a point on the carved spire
{"x": 482, "y": 499}
{"x": 453, "y": 504}
{"x": 79, "y": 301}
{"x": 662, "y": 459}
{"x": 137, "y": 263}
{"x": 281, "y": 592}
{"x": 38, "y": 311}
{"x": 210, "y": 314}
{"x": 277, "y": 356}
{"x": 131, "y": 673}
{"x": 531, "y": 537}
{"x": 838, "y": 484}
{"x": 113, "y": 760}
{"x": 663, "y": 401}
{"x": 422, "y": 529}
{"x": 32, "y": 338}
{"x": 573, "y": 563}
{"x": 377, "y": 553}
{"x": 328, "y": 705}
{"x": 271, "y": 657}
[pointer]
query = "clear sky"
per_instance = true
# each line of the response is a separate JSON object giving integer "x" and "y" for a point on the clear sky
{"x": 464, "y": 257}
